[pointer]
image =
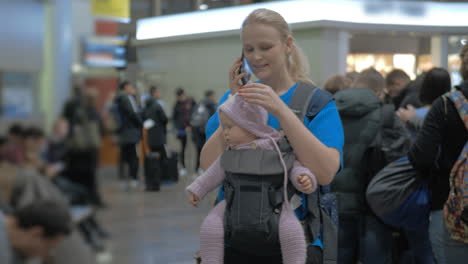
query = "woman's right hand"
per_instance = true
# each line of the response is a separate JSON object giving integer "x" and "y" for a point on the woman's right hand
{"x": 235, "y": 77}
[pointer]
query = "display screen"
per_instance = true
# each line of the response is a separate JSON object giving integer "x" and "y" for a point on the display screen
{"x": 105, "y": 51}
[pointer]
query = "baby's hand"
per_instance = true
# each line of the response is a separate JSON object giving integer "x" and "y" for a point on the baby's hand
{"x": 193, "y": 199}
{"x": 306, "y": 184}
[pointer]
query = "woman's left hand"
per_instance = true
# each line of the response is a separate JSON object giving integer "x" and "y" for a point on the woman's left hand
{"x": 263, "y": 95}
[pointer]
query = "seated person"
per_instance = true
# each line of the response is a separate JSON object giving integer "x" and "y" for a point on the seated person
{"x": 33, "y": 231}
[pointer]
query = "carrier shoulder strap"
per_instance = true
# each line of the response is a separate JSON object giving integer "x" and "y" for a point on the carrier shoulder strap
{"x": 308, "y": 100}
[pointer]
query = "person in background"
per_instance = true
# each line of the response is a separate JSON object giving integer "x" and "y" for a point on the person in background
{"x": 13, "y": 149}
{"x": 208, "y": 105}
{"x": 157, "y": 128}
{"x": 435, "y": 83}
{"x": 337, "y": 83}
{"x": 157, "y": 95}
{"x": 57, "y": 151}
{"x": 130, "y": 129}
{"x": 352, "y": 75}
{"x": 362, "y": 236}
{"x": 181, "y": 118}
{"x": 33, "y": 231}
{"x": 84, "y": 140}
{"x": 396, "y": 81}
{"x": 434, "y": 152}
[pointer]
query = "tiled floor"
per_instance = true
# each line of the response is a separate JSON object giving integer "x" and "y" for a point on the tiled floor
{"x": 151, "y": 228}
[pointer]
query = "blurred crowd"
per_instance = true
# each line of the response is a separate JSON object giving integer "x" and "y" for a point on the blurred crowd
{"x": 49, "y": 187}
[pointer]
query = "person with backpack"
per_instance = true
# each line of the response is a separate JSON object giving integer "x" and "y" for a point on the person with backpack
{"x": 369, "y": 126}
{"x": 200, "y": 115}
{"x": 438, "y": 145}
{"x": 181, "y": 117}
{"x": 83, "y": 141}
{"x": 248, "y": 136}
{"x": 130, "y": 130}
{"x": 316, "y": 136}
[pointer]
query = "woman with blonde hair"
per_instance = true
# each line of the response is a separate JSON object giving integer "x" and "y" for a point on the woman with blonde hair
{"x": 280, "y": 66}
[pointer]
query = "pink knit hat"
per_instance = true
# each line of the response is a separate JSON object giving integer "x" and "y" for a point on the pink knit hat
{"x": 250, "y": 117}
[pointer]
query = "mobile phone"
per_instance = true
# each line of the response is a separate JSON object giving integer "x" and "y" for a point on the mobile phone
{"x": 245, "y": 67}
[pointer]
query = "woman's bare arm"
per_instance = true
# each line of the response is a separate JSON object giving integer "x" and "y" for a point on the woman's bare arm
{"x": 212, "y": 149}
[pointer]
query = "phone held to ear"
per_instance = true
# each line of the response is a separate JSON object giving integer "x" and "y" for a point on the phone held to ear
{"x": 245, "y": 67}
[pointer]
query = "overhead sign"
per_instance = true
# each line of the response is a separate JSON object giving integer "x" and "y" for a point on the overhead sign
{"x": 112, "y": 9}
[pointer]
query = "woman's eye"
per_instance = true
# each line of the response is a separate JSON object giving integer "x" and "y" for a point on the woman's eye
{"x": 266, "y": 47}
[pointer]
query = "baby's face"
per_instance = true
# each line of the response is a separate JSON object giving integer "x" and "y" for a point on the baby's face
{"x": 233, "y": 134}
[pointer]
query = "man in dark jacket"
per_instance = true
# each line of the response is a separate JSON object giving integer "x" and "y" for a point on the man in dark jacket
{"x": 157, "y": 130}
{"x": 130, "y": 129}
{"x": 181, "y": 118}
{"x": 362, "y": 236}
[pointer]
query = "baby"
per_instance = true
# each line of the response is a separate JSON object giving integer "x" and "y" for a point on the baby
{"x": 245, "y": 126}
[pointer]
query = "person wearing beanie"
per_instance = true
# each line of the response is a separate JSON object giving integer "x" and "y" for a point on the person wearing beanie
{"x": 245, "y": 126}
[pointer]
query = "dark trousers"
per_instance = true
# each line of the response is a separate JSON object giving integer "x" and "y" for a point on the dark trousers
{"x": 364, "y": 238}
{"x": 81, "y": 169}
{"x": 129, "y": 155}
{"x": 183, "y": 143}
{"x": 199, "y": 138}
{"x": 232, "y": 256}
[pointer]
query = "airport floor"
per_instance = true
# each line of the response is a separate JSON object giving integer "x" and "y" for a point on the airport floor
{"x": 150, "y": 227}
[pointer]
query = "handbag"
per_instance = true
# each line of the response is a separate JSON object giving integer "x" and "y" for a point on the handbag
{"x": 399, "y": 197}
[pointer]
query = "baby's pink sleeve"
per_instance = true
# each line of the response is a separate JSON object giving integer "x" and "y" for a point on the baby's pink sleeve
{"x": 208, "y": 181}
{"x": 297, "y": 170}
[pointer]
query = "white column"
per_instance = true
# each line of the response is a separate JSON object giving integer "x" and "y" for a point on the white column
{"x": 62, "y": 45}
{"x": 157, "y": 7}
{"x": 334, "y": 50}
{"x": 439, "y": 51}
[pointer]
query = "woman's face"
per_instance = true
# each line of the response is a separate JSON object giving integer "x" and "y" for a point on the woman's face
{"x": 265, "y": 51}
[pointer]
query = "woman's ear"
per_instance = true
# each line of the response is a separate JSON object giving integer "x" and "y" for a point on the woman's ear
{"x": 289, "y": 44}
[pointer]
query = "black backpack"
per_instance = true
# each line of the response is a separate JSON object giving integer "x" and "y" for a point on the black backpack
{"x": 391, "y": 143}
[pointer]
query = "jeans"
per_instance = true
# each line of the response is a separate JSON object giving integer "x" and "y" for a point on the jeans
{"x": 446, "y": 250}
{"x": 129, "y": 155}
{"x": 348, "y": 238}
{"x": 364, "y": 238}
{"x": 376, "y": 241}
{"x": 420, "y": 246}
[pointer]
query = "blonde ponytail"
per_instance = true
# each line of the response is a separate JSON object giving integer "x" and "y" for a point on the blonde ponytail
{"x": 298, "y": 65}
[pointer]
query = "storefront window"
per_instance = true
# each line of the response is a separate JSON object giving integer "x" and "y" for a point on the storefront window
{"x": 384, "y": 63}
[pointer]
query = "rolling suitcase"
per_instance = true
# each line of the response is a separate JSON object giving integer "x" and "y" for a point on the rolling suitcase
{"x": 172, "y": 169}
{"x": 152, "y": 172}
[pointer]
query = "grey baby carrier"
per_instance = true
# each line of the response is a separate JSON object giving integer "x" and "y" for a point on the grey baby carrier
{"x": 254, "y": 196}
